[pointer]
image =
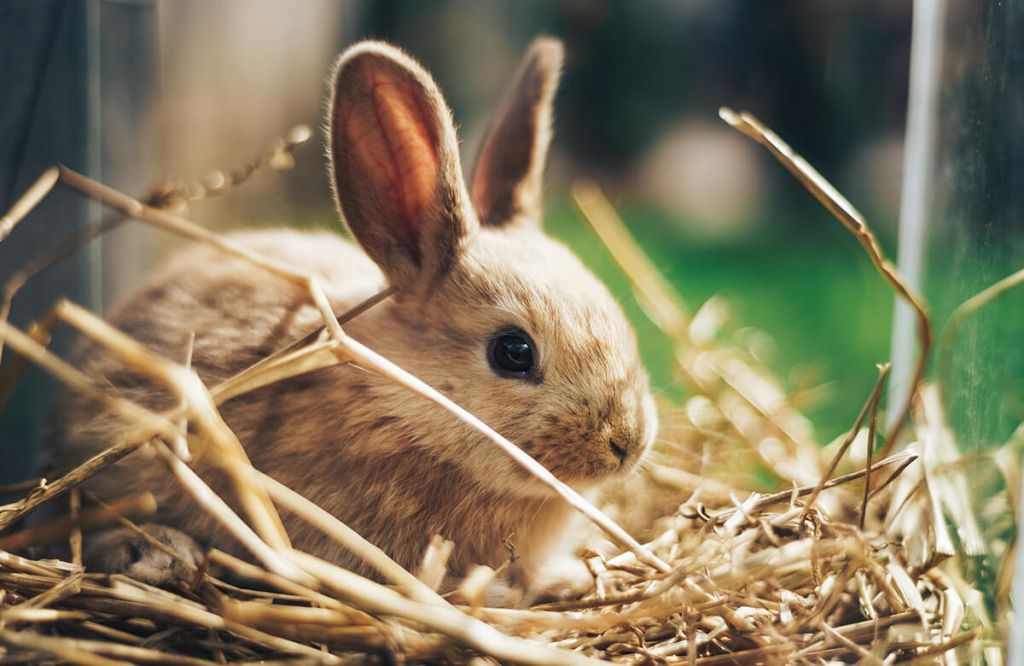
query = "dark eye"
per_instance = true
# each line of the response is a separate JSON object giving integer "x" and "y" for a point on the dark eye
{"x": 511, "y": 354}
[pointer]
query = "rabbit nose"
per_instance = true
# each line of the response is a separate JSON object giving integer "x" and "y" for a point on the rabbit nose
{"x": 620, "y": 451}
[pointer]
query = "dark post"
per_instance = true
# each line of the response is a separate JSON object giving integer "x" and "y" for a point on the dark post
{"x": 74, "y": 78}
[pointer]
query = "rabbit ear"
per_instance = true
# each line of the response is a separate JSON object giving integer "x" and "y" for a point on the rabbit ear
{"x": 507, "y": 180}
{"x": 395, "y": 165}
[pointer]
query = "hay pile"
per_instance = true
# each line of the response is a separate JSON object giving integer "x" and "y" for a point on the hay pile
{"x": 853, "y": 559}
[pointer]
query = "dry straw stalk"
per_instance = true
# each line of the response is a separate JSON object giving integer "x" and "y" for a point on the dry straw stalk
{"x": 784, "y": 576}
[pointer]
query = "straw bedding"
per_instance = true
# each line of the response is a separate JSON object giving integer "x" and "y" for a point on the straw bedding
{"x": 853, "y": 556}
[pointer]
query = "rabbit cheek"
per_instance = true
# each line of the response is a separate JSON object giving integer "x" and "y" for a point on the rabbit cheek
{"x": 544, "y": 449}
{"x": 559, "y": 452}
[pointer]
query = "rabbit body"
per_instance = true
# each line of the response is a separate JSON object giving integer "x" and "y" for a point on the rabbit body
{"x": 468, "y": 273}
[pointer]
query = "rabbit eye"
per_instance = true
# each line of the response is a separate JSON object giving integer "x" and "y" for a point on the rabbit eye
{"x": 511, "y": 354}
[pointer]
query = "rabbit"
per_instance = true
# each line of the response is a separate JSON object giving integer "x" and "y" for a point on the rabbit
{"x": 487, "y": 308}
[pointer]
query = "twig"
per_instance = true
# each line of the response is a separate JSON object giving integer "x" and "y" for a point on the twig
{"x": 872, "y": 424}
{"x": 866, "y": 657}
{"x": 95, "y": 517}
{"x": 183, "y": 227}
{"x": 36, "y": 192}
{"x": 467, "y": 630}
{"x": 782, "y": 496}
{"x": 191, "y": 392}
{"x": 851, "y": 218}
{"x": 254, "y": 573}
{"x": 68, "y": 587}
{"x": 871, "y": 403}
{"x": 73, "y": 478}
{"x": 65, "y": 648}
{"x": 971, "y": 306}
{"x": 892, "y": 477}
{"x": 929, "y": 652}
{"x": 220, "y": 510}
{"x": 347, "y": 537}
{"x": 277, "y": 156}
{"x": 660, "y": 300}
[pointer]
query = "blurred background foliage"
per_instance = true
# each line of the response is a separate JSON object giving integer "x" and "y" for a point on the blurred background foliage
{"x": 186, "y": 86}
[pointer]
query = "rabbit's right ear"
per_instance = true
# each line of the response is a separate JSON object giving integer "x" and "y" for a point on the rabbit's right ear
{"x": 508, "y": 177}
{"x": 395, "y": 165}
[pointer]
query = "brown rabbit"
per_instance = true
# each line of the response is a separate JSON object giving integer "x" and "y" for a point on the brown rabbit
{"x": 488, "y": 309}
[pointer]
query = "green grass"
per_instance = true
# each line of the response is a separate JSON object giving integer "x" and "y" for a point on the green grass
{"x": 815, "y": 294}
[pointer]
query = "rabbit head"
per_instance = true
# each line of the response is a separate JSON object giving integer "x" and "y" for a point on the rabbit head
{"x": 493, "y": 312}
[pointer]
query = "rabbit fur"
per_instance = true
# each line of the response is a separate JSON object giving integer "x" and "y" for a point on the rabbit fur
{"x": 468, "y": 263}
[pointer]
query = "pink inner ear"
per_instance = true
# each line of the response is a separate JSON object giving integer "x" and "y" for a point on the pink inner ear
{"x": 390, "y": 135}
{"x": 481, "y": 180}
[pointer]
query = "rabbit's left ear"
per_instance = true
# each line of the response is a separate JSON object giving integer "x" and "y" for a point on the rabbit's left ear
{"x": 395, "y": 162}
{"x": 508, "y": 178}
